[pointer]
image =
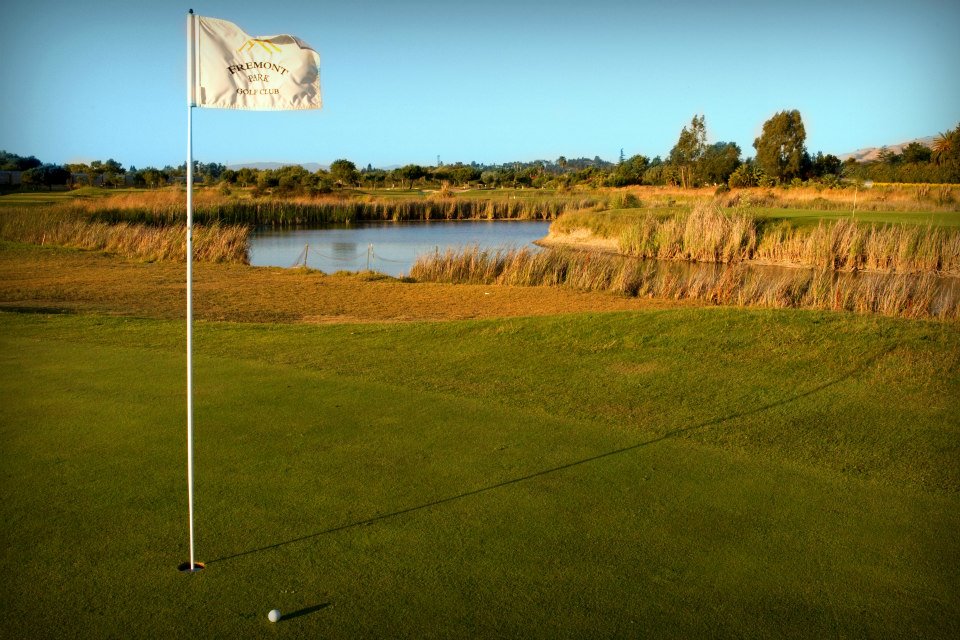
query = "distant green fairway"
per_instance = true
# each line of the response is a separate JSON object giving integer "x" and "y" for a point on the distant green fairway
{"x": 610, "y": 222}
{"x": 683, "y": 473}
{"x": 814, "y": 216}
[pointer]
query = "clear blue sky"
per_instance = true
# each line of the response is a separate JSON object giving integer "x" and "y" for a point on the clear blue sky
{"x": 492, "y": 81}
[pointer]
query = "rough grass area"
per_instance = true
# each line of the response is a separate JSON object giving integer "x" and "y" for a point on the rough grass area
{"x": 65, "y": 228}
{"x": 168, "y": 207}
{"x": 74, "y": 281}
{"x": 710, "y": 233}
{"x": 910, "y": 296}
{"x": 669, "y": 473}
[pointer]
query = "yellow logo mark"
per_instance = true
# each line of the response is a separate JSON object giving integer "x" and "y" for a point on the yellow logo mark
{"x": 266, "y": 44}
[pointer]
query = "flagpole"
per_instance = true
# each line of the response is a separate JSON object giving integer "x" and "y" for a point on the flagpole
{"x": 298, "y": 76}
{"x": 191, "y": 70}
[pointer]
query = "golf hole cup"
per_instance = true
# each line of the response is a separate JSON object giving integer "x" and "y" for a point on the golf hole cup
{"x": 274, "y": 615}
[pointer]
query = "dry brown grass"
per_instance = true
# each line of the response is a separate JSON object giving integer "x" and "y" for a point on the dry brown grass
{"x": 703, "y": 235}
{"x": 711, "y": 233}
{"x": 51, "y": 226}
{"x": 910, "y": 296}
{"x": 167, "y": 207}
{"x": 47, "y": 278}
{"x": 849, "y": 246}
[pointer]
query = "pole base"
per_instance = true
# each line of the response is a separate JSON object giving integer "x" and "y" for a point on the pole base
{"x": 186, "y": 568}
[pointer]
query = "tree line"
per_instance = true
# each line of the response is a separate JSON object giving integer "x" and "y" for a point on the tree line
{"x": 781, "y": 158}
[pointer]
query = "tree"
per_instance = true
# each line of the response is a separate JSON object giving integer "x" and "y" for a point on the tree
{"x": 344, "y": 172}
{"x": 267, "y": 179}
{"x": 742, "y": 178}
{"x": 47, "y": 175}
{"x": 463, "y": 174}
{"x": 747, "y": 175}
{"x": 211, "y": 172}
{"x": 946, "y": 146}
{"x": 373, "y": 177}
{"x": 246, "y": 176}
{"x": 887, "y": 157}
{"x": 780, "y": 148}
{"x": 629, "y": 171}
{"x": 826, "y": 165}
{"x": 719, "y": 161}
{"x": 292, "y": 179}
{"x": 946, "y": 153}
{"x": 109, "y": 173}
{"x": 686, "y": 154}
{"x": 13, "y": 162}
{"x": 410, "y": 172}
{"x": 153, "y": 177}
{"x": 916, "y": 152}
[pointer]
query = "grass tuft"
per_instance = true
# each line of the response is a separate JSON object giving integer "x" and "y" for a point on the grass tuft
{"x": 904, "y": 295}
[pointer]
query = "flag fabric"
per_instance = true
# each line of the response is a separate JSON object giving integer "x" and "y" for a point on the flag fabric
{"x": 234, "y": 70}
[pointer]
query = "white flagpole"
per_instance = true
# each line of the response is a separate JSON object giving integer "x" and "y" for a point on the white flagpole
{"x": 191, "y": 70}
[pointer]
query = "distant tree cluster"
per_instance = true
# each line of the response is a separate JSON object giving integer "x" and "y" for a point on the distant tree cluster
{"x": 914, "y": 163}
{"x": 781, "y": 159}
{"x": 13, "y": 162}
{"x": 34, "y": 173}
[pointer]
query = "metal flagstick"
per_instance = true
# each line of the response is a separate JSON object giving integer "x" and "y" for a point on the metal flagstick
{"x": 191, "y": 70}
{"x": 216, "y": 35}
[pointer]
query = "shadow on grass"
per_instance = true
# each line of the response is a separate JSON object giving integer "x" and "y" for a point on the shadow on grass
{"x": 37, "y": 310}
{"x": 304, "y": 612}
{"x": 537, "y": 474}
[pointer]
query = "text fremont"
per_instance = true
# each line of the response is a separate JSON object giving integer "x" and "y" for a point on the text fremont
{"x": 243, "y": 66}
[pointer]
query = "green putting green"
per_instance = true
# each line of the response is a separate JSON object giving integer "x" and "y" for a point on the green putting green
{"x": 672, "y": 473}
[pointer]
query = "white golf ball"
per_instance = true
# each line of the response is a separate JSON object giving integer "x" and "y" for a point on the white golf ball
{"x": 274, "y": 615}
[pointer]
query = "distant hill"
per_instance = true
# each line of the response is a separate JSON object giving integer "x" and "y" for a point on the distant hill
{"x": 309, "y": 166}
{"x": 872, "y": 153}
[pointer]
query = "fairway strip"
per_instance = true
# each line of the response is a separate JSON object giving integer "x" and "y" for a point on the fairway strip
{"x": 544, "y": 472}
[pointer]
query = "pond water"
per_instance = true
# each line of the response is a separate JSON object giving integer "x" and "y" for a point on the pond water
{"x": 387, "y": 247}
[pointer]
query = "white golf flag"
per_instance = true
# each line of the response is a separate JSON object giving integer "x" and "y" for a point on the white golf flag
{"x": 234, "y": 70}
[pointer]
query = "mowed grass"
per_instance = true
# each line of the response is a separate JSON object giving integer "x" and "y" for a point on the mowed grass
{"x": 664, "y": 473}
{"x": 811, "y": 217}
{"x": 612, "y": 222}
{"x": 35, "y": 199}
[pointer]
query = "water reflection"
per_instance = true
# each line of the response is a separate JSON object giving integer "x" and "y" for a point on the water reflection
{"x": 387, "y": 247}
{"x": 344, "y": 250}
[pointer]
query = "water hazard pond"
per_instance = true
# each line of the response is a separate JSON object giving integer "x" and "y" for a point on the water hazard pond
{"x": 387, "y": 247}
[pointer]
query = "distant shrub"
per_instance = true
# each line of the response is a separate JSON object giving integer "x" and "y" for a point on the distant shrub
{"x": 743, "y": 177}
{"x": 627, "y": 201}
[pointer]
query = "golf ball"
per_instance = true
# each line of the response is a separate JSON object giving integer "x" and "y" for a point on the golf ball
{"x": 274, "y": 615}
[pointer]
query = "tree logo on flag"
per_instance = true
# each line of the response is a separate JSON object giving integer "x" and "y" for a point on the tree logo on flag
{"x": 253, "y": 42}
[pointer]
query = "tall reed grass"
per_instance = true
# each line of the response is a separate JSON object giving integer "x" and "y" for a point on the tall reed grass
{"x": 911, "y": 296}
{"x": 709, "y": 233}
{"x": 702, "y": 235}
{"x": 849, "y": 246}
{"x": 211, "y": 243}
{"x": 168, "y": 207}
